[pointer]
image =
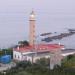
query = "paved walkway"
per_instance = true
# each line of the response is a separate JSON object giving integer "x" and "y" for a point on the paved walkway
{"x": 4, "y": 67}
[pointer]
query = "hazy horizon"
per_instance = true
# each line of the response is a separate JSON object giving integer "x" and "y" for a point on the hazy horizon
{"x": 51, "y": 16}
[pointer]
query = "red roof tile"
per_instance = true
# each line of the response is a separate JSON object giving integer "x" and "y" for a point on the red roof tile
{"x": 39, "y": 48}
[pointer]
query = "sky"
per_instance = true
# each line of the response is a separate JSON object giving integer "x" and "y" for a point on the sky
{"x": 51, "y": 16}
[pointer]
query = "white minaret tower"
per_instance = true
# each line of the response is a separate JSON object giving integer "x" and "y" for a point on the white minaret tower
{"x": 32, "y": 28}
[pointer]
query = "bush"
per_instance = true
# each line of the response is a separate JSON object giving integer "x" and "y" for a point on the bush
{"x": 23, "y": 64}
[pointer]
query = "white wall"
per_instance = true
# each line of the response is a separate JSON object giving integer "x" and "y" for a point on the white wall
{"x": 39, "y": 57}
{"x": 17, "y": 55}
{"x": 21, "y": 56}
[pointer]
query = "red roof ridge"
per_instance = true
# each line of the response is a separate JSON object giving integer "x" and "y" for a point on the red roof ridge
{"x": 39, "y": 47}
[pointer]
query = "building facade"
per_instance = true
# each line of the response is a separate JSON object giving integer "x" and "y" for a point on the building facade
{"x": 41, "y": 51}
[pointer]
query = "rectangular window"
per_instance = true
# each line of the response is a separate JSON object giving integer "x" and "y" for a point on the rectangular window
{"x": 15, "y": 55}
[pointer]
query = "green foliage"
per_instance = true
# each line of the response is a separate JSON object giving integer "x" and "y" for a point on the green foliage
{"x": 70, "y": 56}
{"x": 23, "y": 64}
{"x": 23, "y": 43}
{"x": 23, "y": 73}
{"x": 70, "y": 63}
{"x": 2, "y": 53}
{"x": 8, "y": 51}
{"x": 43, "y": 61}
{"x": 41, "y": 68}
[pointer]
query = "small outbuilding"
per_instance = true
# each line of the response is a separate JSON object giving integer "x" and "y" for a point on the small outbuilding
{"x": 5, "y": 59}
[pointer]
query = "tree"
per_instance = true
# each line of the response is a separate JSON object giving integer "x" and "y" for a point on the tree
{"x": 23, "y": 43}
{"x": 7, "y": 51}
{"x": 69, "y": 57}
